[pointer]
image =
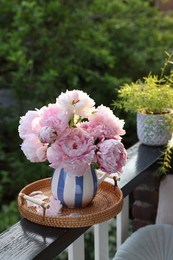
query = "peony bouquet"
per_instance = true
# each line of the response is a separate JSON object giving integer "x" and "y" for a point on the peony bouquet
{"x": 73, "y": 134}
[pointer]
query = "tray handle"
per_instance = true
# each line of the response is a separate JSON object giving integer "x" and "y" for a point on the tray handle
{"x": 44, "y": 205}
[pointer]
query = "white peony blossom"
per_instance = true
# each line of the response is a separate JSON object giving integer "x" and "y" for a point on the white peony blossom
{"x": 77, "y": 102}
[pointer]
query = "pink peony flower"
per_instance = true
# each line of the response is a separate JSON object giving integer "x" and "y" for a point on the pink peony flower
{"x": 74, "y": 152}
{"x": 54, "y": 116}
{"x": 33, "y": 149}
{"x": 53, "y": 210}
{"x": 111, "y": 156}
{"x": 76, "y": 102}
{"x": 55, "y": 207}
{"x": 104, "y": 124}
{"x": 29, "y": 123}
{"x": 55, "y": 133}
{"x": 47, "y": 135}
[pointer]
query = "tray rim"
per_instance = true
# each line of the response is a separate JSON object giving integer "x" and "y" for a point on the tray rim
{"x": 75, "y": 221}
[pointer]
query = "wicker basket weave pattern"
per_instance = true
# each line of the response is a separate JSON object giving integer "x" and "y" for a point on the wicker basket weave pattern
{"x": 107, "y": 204}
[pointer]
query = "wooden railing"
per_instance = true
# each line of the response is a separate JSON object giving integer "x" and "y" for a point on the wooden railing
{"x": 26, "y": 240}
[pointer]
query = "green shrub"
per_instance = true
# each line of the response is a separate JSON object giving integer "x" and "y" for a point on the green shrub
{"x": 50, "y": 46}
{"x": 9, "y": 215}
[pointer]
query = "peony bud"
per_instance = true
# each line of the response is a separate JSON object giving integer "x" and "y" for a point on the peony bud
{"x": 47, "y": 135}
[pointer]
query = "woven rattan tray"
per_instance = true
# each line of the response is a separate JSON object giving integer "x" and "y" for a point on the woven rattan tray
{"x": 107, "y": 203}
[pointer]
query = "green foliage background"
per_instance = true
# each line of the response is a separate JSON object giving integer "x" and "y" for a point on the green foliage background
{"x": 49, "y": 46}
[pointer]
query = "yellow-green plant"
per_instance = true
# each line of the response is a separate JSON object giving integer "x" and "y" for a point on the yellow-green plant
{"x": 166, "y": 165}
{"x": 151, "y": 95}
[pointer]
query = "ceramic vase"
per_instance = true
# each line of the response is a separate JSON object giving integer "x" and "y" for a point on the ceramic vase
{"x": 73, "y": 191}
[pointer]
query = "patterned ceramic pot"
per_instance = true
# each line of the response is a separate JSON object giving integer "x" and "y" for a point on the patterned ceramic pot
{"x": 153, "y": 129}
{"x": 73, "y": 191}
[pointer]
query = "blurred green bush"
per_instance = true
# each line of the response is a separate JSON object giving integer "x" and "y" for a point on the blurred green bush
{"x": 49, "y": 46}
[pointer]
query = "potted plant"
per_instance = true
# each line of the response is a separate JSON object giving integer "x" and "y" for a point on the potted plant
{"x": 152, "y": 99}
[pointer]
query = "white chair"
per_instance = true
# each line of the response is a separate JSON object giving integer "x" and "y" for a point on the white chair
{"x": 152, "y": 242}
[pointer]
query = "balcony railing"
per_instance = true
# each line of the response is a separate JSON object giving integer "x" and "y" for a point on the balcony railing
{"x": 27, "y": 240}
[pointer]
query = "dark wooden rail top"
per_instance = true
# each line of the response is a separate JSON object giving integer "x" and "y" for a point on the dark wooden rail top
{"x": 26, "y": 240}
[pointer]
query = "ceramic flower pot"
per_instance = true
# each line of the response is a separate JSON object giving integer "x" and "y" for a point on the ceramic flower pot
{"x": 73, "y": 191}
{"x": 153, "y": 129}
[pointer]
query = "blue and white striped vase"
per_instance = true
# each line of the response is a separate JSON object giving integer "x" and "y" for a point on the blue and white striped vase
{"x": 73, "y": 191}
